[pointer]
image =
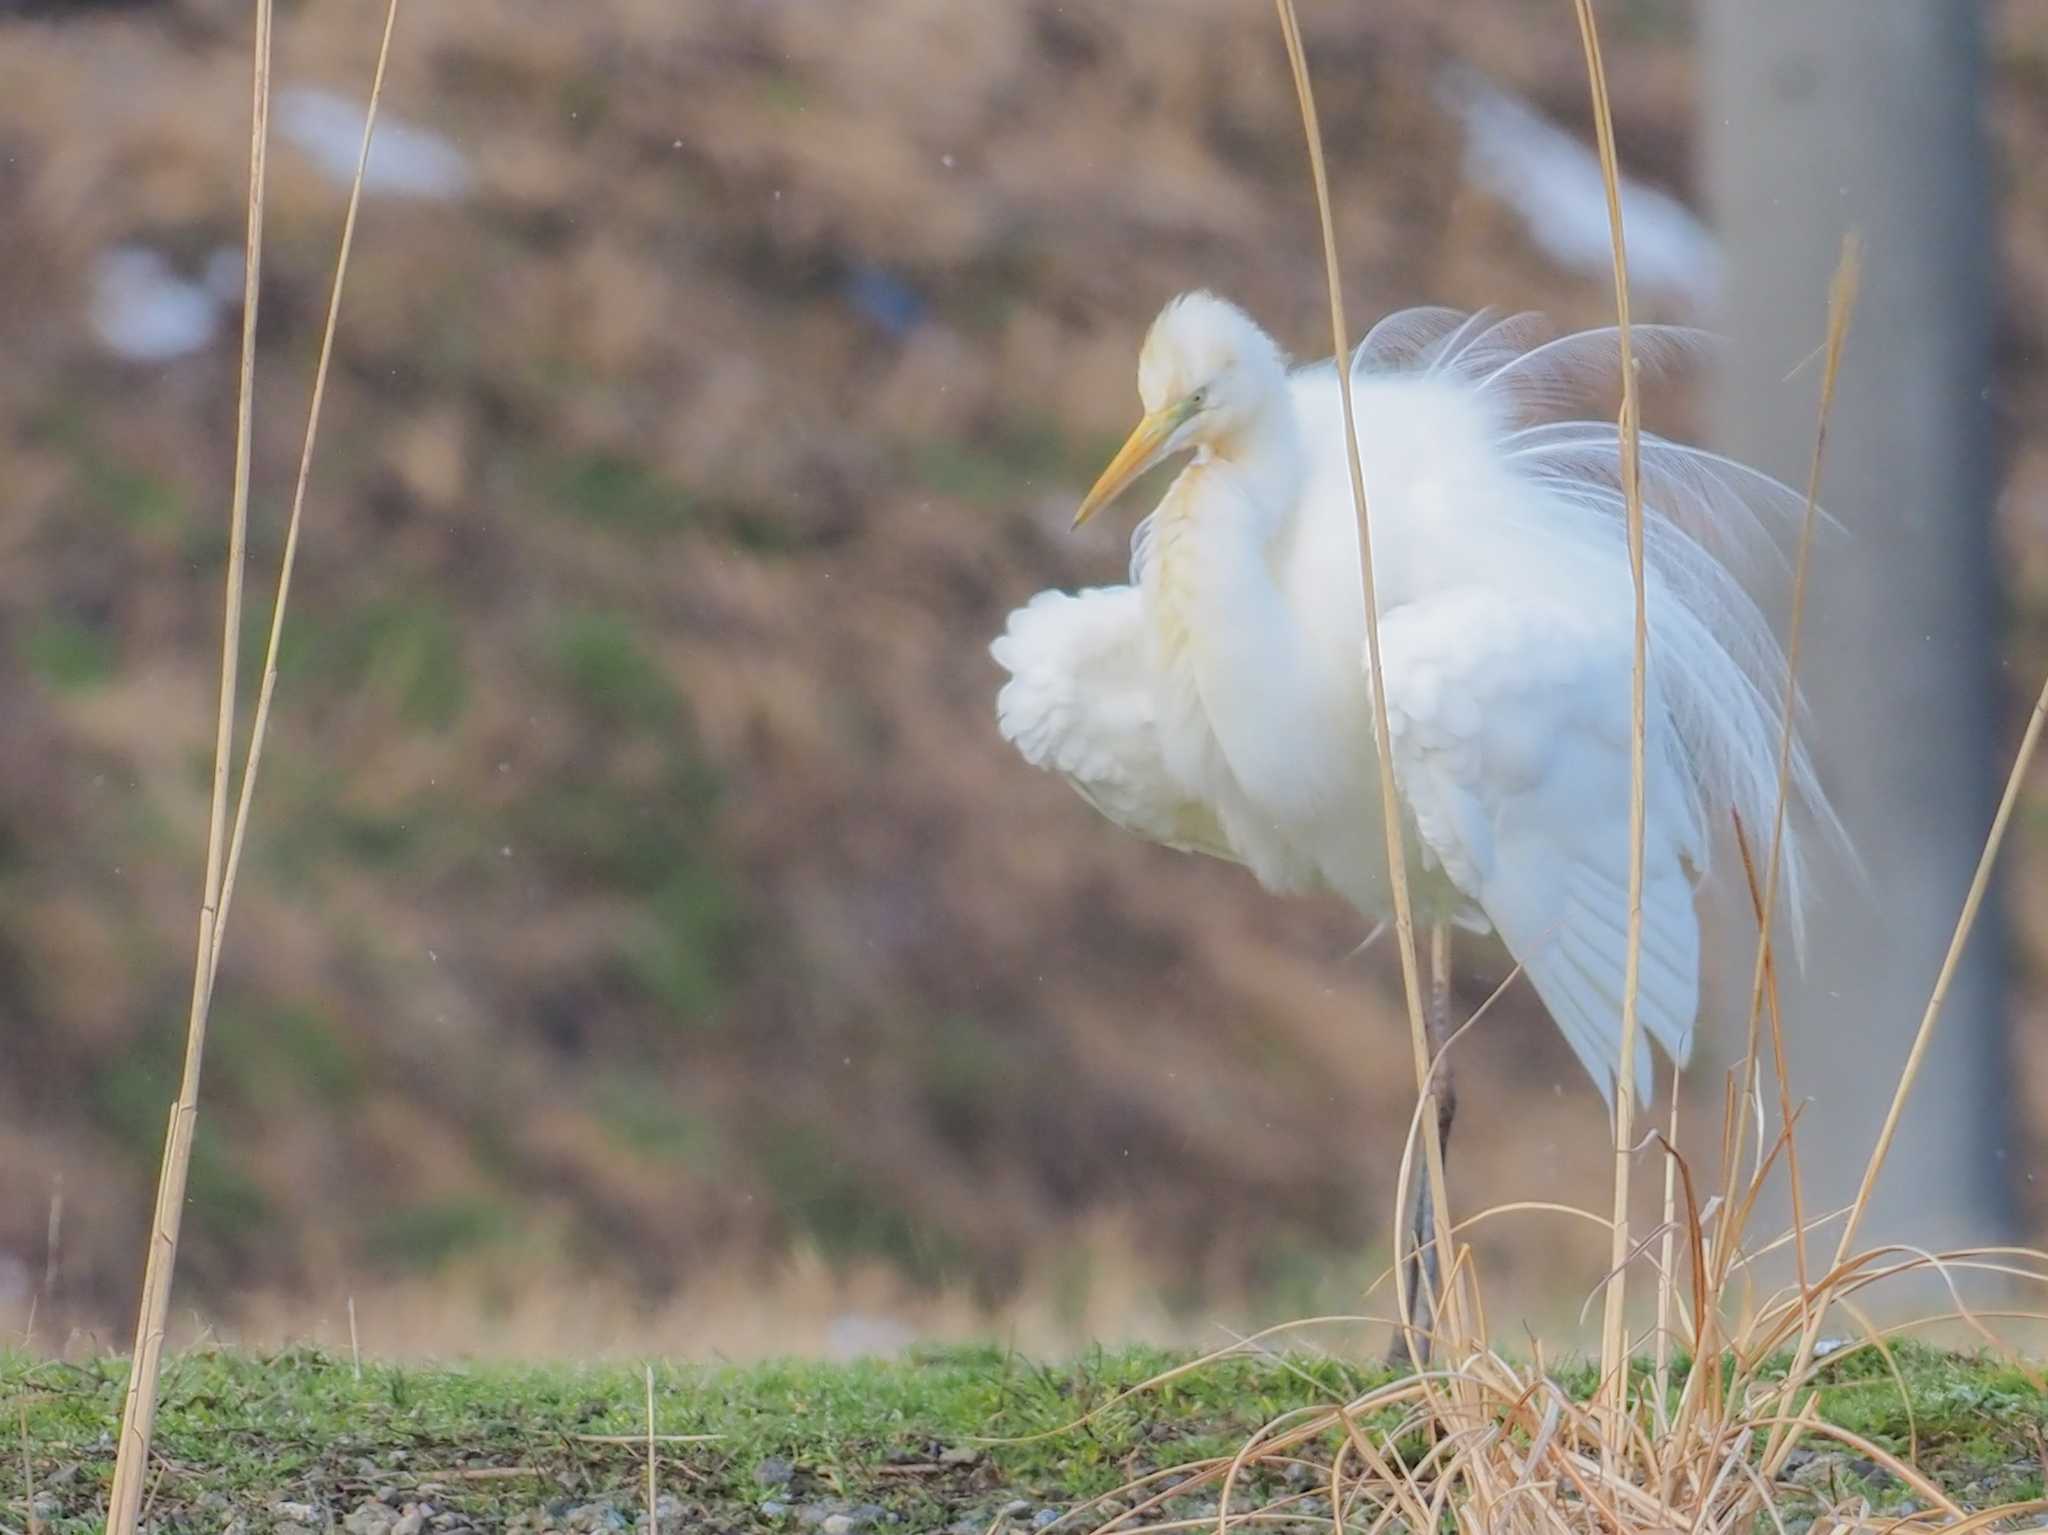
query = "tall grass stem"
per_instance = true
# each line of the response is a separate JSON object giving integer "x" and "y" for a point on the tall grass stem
{"x": 1390, "y": 810}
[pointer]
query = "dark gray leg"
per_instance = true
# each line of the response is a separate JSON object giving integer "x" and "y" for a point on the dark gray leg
{"x": 1424, "y": 1270}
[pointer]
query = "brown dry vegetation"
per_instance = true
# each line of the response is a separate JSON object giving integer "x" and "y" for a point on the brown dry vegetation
{"x": 639, "y": 894}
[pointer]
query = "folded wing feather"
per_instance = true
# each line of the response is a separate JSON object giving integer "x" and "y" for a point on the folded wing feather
{"x": 1510, "y": 729}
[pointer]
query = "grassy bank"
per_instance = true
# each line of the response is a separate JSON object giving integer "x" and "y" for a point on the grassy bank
{"x": 298, "y": 1440}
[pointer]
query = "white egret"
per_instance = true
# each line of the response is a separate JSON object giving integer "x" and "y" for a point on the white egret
{"x": 1220, "y": 702}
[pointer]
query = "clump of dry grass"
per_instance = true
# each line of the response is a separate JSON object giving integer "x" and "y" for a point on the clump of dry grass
{"x": 1491, "y": 1442}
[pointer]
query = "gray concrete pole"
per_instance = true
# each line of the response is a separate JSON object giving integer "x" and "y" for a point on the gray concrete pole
{"x": 1822, "y": 116}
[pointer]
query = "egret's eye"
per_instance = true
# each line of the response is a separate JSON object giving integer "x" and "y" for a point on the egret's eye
{"x": 1199, "y": 398}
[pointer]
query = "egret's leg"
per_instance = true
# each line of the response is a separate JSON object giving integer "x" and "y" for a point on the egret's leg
{"x": 1424, "y": 1270}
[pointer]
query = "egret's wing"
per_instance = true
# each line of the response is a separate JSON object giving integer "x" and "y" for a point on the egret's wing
{"x": 1510, "y": 729}
{"x": 1083, "y": 701}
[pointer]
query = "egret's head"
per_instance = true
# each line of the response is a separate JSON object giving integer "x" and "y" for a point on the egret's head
{"x": 1207, "y": 372}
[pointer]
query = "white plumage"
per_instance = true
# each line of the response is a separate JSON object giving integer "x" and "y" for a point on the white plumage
{"x": 1220, "y": 703}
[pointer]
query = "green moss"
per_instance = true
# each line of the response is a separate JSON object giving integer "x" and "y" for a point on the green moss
{"x": 313, "y": 830}
{"x": 69, "y": 656}
{"x": 824, "y": 1196}
{"x": 963, "y": 1066}
{"x": 228, "y": 1210}
{"x": 785, "y": 93}
{"x": 758, "y": 531}
{"x": 1653, "y": 20}
{"x": 632, "y": 838}
{"x": 619, "y": 495}
{"x": 1293, "y": 1277}
{"x": 373, "y": 840}
{"x": 683, "y": 952}
{"x": 130, "y": 1095}
{"x": 586, "y": 102}
{"x": 405, "y": 648}
{"x": 110, "y": 487}
{"x": 999, "y": 466}
{"x": 1073, "y": 1279}
{"x": 285, "y": 1052}
{"x": 322, "y": 838}
{"x": 610, "y": 676}
{"x": 132, "y": 496}
{"x": 646, "y": 1119}
{"x": 418, "y": 657}
{"x": 426, "y": 1236}
{"x": 130, "y": 1099}
{"x": 962, "y": 472}
{"x": 650, "y": 840}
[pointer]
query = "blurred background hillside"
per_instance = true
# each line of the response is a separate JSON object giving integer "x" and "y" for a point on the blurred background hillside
{"x": 645, "y": 934}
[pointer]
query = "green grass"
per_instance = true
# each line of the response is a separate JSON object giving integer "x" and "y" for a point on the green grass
{"x": 242, "y": 1433}
{"x": 422, "y": 1237}
{"x": 239, "y": 1434}
{"x": 611, "y": 676}
{"x": 643, "y": 1117}
{"x": 69, "y": 657}
{"x": 993, "y": 468}
{"x": 618, "y": 494}
{"x": 106, "y": 483}
{"x": 285, "y": 1053}
{"x": 679, "y": 951}
{"x": 845, "y": 1212}
{"x": 404, "y": 648}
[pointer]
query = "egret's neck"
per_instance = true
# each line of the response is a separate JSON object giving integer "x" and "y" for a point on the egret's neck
{"x": 1212, "y": 534}
{"x": 1259, "y": 467}
{"x": 1224, "y": 623}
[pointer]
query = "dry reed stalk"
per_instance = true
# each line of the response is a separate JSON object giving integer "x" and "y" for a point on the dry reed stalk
{"x": 1390, "y": 810}
{"x": 1613, "y": 1338}
{"x": 138, "y": 1417}
{"x": 28, "y": 1475}
{"x": 1841, "y": 305}
{"x": 653, "y": 1462}
{"x": 1979, "y": 883}
{"x": 1666, "y": 1254}
{"x": 288, "y": 561}
{"x": 125, "y": 1499}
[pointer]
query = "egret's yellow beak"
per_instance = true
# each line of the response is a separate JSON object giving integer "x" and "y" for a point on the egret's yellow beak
{"x": 1147, "y": 445}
